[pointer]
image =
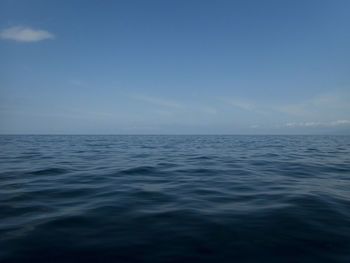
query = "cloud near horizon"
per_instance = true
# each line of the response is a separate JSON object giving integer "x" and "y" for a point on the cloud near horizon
{"x": 317, "y": 106}
{"x": 25, "y": 34}
{"x": 314, "y": 124}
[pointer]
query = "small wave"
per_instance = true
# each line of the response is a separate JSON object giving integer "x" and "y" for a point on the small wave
{"x": 48, "y": 171}
{"x": 141, "y": 170}
{"x": 188, "y": 199}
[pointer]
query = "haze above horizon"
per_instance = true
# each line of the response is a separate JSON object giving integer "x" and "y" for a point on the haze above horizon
{"x": 175, "y": 67}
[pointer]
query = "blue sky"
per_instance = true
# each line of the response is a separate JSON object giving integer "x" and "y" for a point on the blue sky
{"x": 175, "y": 67}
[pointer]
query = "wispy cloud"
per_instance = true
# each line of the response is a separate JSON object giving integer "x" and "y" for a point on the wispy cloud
{"x": 316, "y": 124}
{"x": 25, "y": 34}
{"x": 300, "y": 110}
{"x": 208, "y": 110}
{"x": 326, "y": 99}
{"x": 245, "y": 105}
{"x": 158, "y": 101}
{"x": 77, "y": 83}
{"x": 317, "y": 105}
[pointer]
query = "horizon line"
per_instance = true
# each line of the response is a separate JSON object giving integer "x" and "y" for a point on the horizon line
{"x": 171, "y": 134}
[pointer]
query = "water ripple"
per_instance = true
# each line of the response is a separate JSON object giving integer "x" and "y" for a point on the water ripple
{"x": 175, "y": 199}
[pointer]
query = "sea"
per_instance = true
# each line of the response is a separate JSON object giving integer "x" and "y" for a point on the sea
{"x": 174, "y": 198}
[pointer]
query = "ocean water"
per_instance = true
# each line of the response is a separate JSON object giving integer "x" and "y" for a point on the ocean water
{"x": 175, "y": 199}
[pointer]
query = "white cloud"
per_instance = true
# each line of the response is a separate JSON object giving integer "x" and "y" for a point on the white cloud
{"x": 339, "y": 122}
{"x": 315, "y": 124}
{"x": 25, "y": 34}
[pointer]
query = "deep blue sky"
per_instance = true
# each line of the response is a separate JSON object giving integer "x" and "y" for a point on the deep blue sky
{"x": 154, "y": 67}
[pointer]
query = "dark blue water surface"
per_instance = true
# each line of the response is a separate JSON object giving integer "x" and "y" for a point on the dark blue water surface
{"x": 175, "y": 199}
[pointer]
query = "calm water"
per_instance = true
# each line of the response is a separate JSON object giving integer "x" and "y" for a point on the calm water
{"x": 175, "y": 199}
